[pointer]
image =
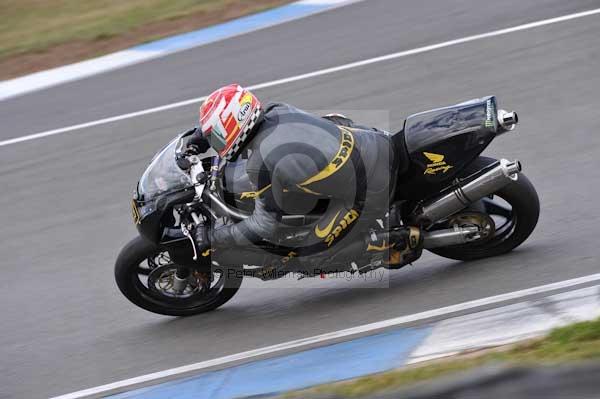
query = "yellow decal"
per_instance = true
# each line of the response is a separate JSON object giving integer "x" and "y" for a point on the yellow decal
{"x": 438, "y": 164}
{"x": 434, "y": 157}
{"x": 246, "y": 99}
{"x": 325, "y": 232}
{"x": 348, "y": 219}
{"x": 383, "y": 247}
{"x": 136, "y": 214}
{"x": 207, "y": 252}
{"x": 306, "y": 190}
{"x": 254, "y": 194}
{"x": 289, "y": 256}
{"x": 342, "y": 156}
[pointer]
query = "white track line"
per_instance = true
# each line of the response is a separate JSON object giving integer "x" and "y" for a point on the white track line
{"x": 320, "y": 72}
{"x": 324, "y": 338}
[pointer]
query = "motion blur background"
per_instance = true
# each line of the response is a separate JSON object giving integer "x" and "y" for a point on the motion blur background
{"x": 65, "y": 198}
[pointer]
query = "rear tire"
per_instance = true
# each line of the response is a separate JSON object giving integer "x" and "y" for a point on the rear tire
{"x": 523, "y": 198}
{"x": 127, "y": 270}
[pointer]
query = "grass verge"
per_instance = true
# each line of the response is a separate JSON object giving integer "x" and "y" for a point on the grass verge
{"x": 38, "y": 34}
{"x": 576, "y": 342}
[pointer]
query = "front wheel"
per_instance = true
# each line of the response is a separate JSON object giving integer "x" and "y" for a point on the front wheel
{"x": 148, "y": 278}
{"x": 514, "y": 210}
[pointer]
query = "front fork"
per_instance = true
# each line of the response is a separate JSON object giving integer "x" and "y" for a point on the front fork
{"x": 181, "y": 278}
{"x": 183, "y": 273}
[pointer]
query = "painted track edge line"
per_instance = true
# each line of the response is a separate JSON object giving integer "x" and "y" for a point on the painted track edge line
{"x": 322, "y": 339}
{"x": 308, "y": 75}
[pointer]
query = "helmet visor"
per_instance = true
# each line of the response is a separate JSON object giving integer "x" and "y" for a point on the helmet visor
{"x": 216, "y": 140}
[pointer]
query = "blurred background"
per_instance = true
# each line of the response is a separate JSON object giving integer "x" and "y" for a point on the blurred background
{"x": 38, "y": 35}
{"x": 73, "y": 143}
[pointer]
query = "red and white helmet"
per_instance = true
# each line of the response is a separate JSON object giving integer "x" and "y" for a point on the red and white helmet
{"x": 226, "y": 118}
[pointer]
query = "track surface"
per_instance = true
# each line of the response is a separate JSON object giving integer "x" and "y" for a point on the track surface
{"x": 65, "y": 199}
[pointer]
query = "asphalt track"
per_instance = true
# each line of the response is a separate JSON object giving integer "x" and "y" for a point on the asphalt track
{"x": 65, "y": 199}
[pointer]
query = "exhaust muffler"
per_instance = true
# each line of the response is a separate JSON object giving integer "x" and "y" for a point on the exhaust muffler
{"x": 463, "y": 195}
{"x": 507, "y": 120}
{"x": 455, "y": 236}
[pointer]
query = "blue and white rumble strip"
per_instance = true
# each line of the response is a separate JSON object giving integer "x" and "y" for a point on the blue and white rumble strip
{"x": 393, "y": 343}
{"x": 159, "y": 48}
{"x": 336, "y": 362}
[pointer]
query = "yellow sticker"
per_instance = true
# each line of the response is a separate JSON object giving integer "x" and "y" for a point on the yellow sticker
{"x": 340, "y": 158}
{"x": 135, "y": 213}
{"x": 322, "y": 233}
{"x": 438, "y": 164}
{"x": 254, "y": 194}
{"x": 347, "y": 220}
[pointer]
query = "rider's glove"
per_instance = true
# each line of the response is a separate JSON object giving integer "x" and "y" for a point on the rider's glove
{"x": 198, "y": 142}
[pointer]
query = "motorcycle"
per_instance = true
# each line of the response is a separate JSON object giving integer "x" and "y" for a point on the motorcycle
{"x": 469, "y": 207}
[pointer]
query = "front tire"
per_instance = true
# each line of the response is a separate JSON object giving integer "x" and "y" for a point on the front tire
{"x": 140, "y": 257}
{"x": 521, "y": 219}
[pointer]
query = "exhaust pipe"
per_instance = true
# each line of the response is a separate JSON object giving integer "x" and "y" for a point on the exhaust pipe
{"x": 488, "y": 183}
{"x": 507, "y": 120}
{"x": 448, "y": 237}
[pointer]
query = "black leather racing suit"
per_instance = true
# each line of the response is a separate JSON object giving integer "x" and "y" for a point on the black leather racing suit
{"x": 293, "y": 154}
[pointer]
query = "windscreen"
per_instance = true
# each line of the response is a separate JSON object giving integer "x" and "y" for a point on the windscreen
{"x": 163, "y": 175}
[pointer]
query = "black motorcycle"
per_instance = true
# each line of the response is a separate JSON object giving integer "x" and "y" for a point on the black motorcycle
{"x": 470, "y": 207}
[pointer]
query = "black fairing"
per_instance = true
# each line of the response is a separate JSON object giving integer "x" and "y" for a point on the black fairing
{"x": 442, "y": 142}
{"x": 156, "y": 225}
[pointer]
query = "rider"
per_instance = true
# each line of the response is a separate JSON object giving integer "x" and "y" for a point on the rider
{"x": 290, "y": 154}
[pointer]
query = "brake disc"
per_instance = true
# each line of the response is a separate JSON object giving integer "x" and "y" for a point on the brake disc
{"x": 485, "y": 224}
{"x": 162, "y": 280}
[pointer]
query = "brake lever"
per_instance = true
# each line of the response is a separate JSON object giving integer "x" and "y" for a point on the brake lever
{"x": 186, "y": 232}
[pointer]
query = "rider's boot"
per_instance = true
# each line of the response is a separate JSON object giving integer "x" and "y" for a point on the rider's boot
{"x": 404, "y": 245}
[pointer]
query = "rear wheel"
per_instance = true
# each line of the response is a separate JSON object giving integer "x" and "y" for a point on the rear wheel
{"x": 148, "y": 278}
{"x": 514, "y": 210}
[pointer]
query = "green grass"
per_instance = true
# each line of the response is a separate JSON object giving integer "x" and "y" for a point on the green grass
{"x": 30, "y": 26}
{"x": 576, "y": 342}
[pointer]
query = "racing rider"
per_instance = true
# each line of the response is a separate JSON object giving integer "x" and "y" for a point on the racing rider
{"x": 291, "y": 152}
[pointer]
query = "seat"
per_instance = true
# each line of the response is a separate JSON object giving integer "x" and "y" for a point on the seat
{"x": 403, "y": 159}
